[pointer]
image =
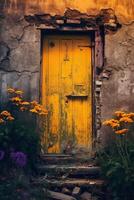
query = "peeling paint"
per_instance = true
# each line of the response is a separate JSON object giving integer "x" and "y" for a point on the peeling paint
{"x": 124, "y": 9}
{"x": 20, "y": 48}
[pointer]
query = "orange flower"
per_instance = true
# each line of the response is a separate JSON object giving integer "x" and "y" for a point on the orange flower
{"x": 10, "y": 90}
{"x": 43, "y": 113}
{"x": 22, "y": 108}
{"x": 114, "y": 125}
{"x": 34, "y": 103}
{"x": 10, "y": 118}
{"x": 16, "y": 99}
{"x": 38, "y": 108}
{"x": 1, "y": 121}
{"x": 5, "y": 113}
{"x": 33, "y": 111}
{"x": 19, "y": 92}
{"x": 25, "y": 103}
{"x": 119, "y": 113}
{"x": 121, "y": 132}
{"x": 131, "y": 114}
{"x": 112, "y": 122}
{"x": 126, "y": 119}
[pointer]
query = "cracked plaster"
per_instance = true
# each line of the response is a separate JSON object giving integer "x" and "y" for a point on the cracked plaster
{"x": 20, "y": 67}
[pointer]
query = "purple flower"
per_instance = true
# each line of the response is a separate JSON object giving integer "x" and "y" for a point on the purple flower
{"x": 19, "y": 158}
{"x": 2, "y": 153}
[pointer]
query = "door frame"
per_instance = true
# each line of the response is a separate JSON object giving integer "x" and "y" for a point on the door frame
{"x": 91, "y": 34}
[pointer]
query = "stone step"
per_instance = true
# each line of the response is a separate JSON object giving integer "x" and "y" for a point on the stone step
{"x": 54, "y": 159}
{"x": 65, "y": 159}
{"x": 59, "y": 196}
{"x": 69, "y": 170}
{"x": 90, "y": 184}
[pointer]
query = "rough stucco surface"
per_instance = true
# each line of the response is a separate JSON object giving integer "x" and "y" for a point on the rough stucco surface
{"x": 124, "y": 8}
{"x": 20, "y": 55}
{"x": 117, "y": 91}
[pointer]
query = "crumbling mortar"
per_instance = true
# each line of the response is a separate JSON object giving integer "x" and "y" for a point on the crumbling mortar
{"x": 104, "y": 74}
{"x": 105, "y": 18}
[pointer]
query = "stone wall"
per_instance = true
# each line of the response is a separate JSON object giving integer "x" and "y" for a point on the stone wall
{"x": 20, "y": 60}
{"x": 117, "y": 91}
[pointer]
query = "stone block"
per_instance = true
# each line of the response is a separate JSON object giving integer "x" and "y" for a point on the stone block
{"x": 76, "y": 191}
{"x": 86, "y": 196}
{"x": 60, "y": 21}
{"x": 98, "y": 83}
{"x": 98, "y": 89}
{"x": 59, "y": 196}
{"x": 73, "y": 21}
{"x": 44, "y": 26}
{"x": 66, "y": 191}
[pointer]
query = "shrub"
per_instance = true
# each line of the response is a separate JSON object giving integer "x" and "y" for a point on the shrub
{"x": 19, "y": 137}
{"x": 18, "y": 187}
{"x": 117, "y": 160}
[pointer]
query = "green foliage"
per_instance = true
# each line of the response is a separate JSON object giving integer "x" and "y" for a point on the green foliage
{"x": 118, "y": 169}
{"x": 20, "y": 135}
{"x": 18, "y": 129}
{"x": 18, "y": 187}
{"x": 20, "y": 147}
{"x": 117, "y": 160}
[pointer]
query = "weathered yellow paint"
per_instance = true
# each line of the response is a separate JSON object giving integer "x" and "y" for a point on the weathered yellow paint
{"x": 50, "y": 94}
{"x": 66, "y": 91}
{"x": 124, "y": 9}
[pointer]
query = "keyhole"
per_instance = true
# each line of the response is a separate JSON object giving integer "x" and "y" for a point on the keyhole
{"x": 66, "y": 101}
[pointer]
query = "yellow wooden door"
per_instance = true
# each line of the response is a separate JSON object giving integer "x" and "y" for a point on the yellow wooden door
{"x": 67, "y": 93}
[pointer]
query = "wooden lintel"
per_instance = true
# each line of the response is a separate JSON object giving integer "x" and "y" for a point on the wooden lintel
{"x": 66, "y": 28}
